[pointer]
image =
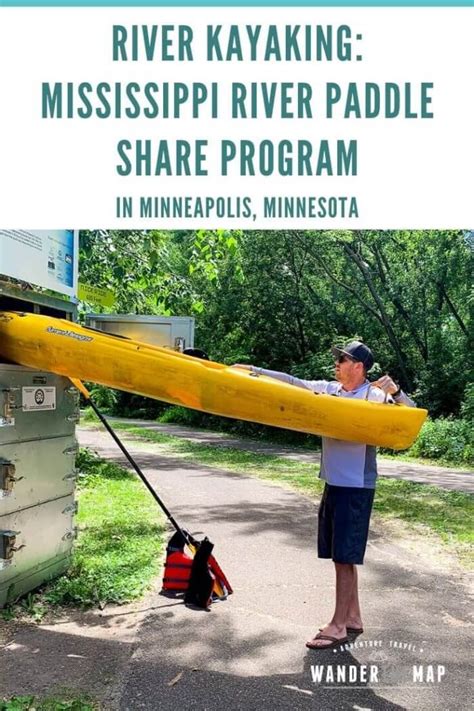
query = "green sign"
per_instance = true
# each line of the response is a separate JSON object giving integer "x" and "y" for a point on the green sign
{"x": 96, "y": 295}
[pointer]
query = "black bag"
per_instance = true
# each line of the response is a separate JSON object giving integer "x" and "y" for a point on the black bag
{"x": 202, "y": 580}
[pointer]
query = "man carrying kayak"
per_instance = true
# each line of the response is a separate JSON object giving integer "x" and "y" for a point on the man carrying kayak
{"x": 349, "y": 470}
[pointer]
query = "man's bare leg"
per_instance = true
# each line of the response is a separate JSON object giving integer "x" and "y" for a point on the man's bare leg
{"x": 354, "y": 617}
{"x": 346, "y": 578}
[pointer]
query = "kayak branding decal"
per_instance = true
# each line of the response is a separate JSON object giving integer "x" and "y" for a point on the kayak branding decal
{"x": 69, "y": 334}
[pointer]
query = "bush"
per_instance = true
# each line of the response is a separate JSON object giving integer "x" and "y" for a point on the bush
{"x": 105, "y": 398}
{"x": 467, "y": 407}
{"x": 136, "y": 406}
{"x": 88, "y": 415}
{"x": 178, "y": 415}
{"x": 447, "y": 440}
{"x": 181, "y": 416}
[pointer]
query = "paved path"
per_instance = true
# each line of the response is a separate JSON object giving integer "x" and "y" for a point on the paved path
{"x": 444, "y": 477}
{"x": 248, "y": 653}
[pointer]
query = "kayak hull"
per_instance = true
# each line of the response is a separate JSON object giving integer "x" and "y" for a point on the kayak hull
{"x": 65, "y": 348}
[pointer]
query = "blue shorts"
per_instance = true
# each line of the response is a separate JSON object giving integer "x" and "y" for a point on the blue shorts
{"x": 343, "y": 523}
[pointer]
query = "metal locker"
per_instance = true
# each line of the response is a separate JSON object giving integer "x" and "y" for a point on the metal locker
{"x": 38, "y": 413}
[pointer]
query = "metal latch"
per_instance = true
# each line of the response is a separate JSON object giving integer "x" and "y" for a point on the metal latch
{"x": 9, "y": 404}
{"x": 73, "y": 449}
{"x": 72, "y": 476}
{"x": 72, "y": 392}
{"x": 7, "y": 544}
{"x": 7, "y": 476}
{"x": 75, "y": 416}
{"x": 71, "y": 535}
{"x": 72, "y": 508}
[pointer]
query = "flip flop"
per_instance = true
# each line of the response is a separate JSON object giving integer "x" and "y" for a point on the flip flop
{"x": 350, "y": 630}
{"x": 335, "y": 642}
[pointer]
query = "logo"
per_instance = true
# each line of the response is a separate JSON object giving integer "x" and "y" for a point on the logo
{"x": 39, "y": 396}
{"x": 69, "y": 334}
{"x": 379, "y": 664}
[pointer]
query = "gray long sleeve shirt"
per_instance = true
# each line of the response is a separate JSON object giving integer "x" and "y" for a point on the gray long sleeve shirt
{"x": 344, "y": 463}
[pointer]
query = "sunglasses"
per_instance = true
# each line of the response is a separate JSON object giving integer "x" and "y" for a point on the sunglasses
{"x": 344, "y": 358}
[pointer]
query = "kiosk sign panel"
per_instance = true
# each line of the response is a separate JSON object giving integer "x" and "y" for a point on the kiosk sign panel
{"x": 46, "y": 258}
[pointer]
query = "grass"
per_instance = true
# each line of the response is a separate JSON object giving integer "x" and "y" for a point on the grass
{"x": 448, "y": 514}
{"x": 32, "y": 703}
{"x": 405, "y": 456}
{"x": 119, "y": 546}
{"x": 311, "y": 443}
{"x": 120, "y": 541}
{"x": 446, "y": 441}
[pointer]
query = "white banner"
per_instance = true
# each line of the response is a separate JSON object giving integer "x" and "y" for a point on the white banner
{"x": 47, "y": 258}
{"x": 169, "y": 117}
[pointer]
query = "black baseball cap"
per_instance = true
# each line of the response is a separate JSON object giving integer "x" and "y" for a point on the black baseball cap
{"x": 357, "y": 351}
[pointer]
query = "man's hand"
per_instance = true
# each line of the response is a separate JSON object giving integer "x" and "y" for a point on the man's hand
{"x": 386, "y": 384}
{"x": 242, "y": 366}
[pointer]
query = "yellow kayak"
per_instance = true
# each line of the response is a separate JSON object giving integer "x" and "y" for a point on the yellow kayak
{"x": 65, "y": 348}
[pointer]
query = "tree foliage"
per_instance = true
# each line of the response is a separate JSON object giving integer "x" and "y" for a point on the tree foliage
{"x": 280, "y": 299}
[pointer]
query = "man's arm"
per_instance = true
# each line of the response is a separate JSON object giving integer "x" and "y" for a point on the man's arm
{"x": 388, "y": 385}
{"x": 316, "y": 386}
